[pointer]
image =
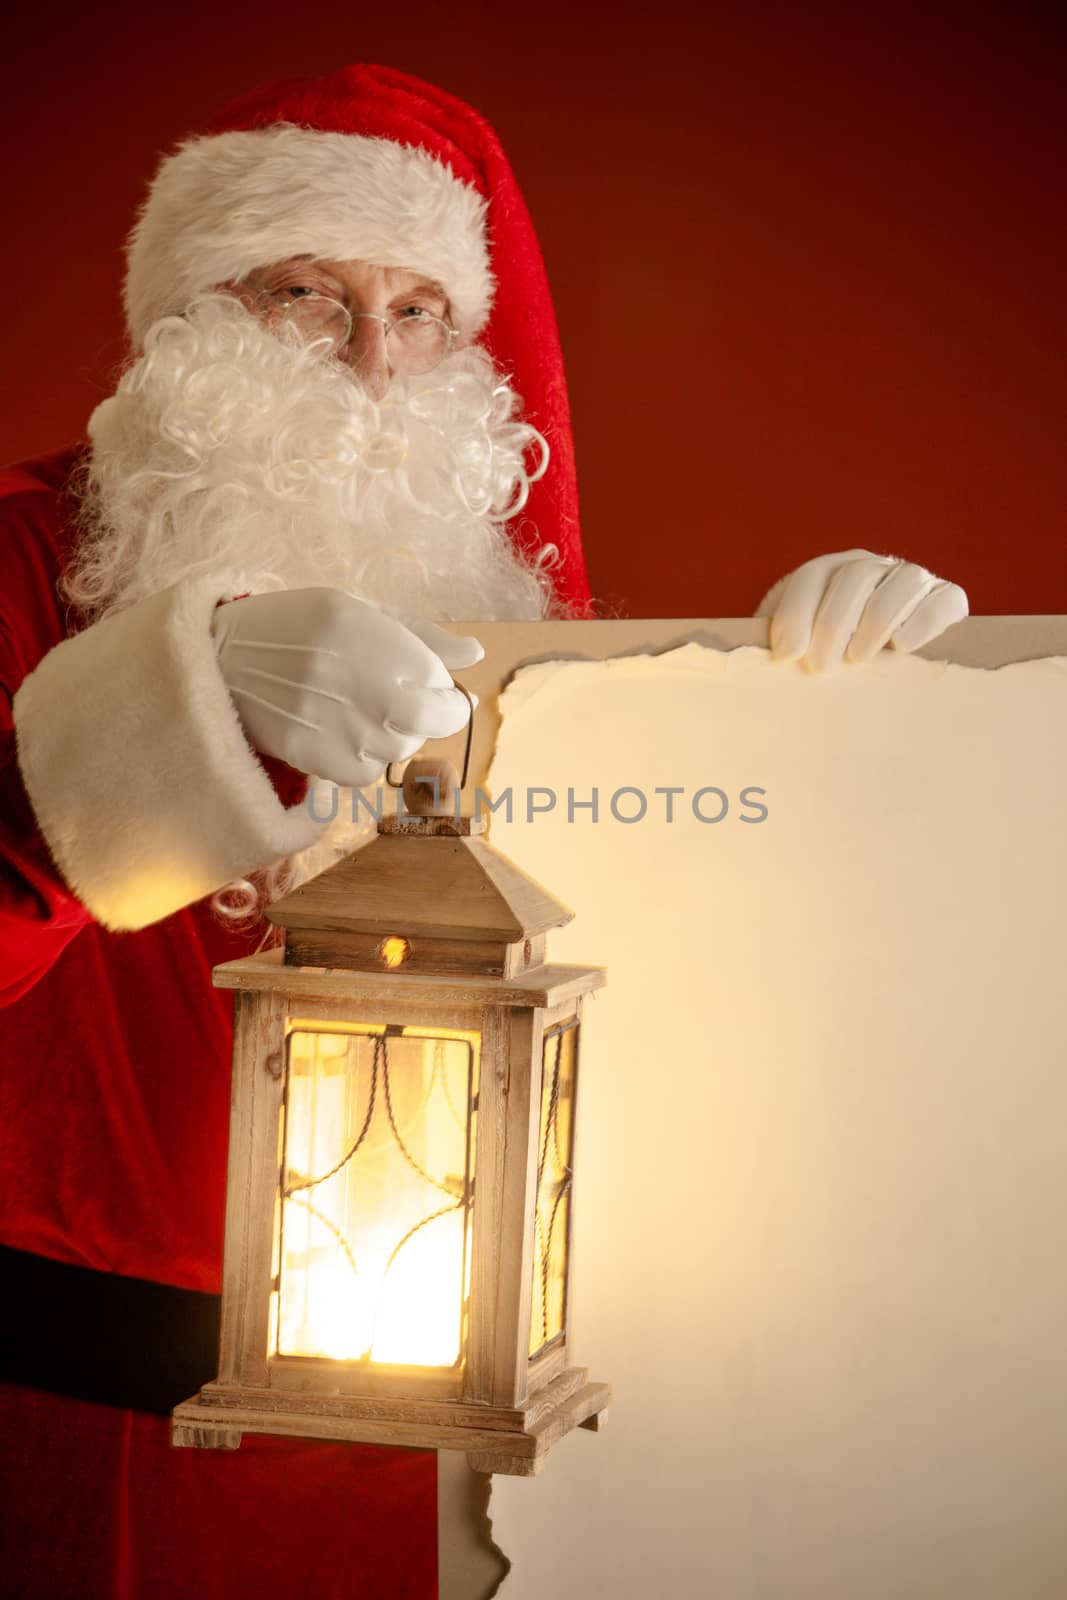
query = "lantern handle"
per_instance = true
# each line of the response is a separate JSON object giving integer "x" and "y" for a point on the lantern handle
{"x": 394, "y": 784}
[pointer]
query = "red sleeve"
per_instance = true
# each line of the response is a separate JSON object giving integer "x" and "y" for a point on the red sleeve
{"x": 38, "y": 914}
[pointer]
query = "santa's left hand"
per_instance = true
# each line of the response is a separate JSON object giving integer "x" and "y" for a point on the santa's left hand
{"x": 847, "y": 606}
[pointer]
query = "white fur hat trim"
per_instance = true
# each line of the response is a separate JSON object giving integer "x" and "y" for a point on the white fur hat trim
{"x": 225, "y": 204}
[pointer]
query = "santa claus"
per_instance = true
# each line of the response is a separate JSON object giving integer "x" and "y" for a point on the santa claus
{"x": 344, "y": 423}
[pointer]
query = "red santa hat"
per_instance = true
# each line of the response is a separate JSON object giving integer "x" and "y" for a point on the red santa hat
{"x": 371, "y": 164}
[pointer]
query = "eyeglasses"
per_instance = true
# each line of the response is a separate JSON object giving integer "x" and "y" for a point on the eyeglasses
{"x": 415, "y": 340}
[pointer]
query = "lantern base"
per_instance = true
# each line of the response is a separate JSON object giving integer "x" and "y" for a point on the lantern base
{"x": 496, "y": 1438}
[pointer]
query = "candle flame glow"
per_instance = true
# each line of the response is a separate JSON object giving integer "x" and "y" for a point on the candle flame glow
{"x": 375, "y": 1244}
{"x": 394, "y": 951}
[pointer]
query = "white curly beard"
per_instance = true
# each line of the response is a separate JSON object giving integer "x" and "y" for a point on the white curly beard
{"x": 225, "y": 449}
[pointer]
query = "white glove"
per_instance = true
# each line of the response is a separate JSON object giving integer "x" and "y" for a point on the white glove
{"x": 849, "y": 605}
{"x": 336, "y": 687}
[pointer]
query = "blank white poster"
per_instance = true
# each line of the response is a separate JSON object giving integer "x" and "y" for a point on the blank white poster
{"x": 820, "y": 1228}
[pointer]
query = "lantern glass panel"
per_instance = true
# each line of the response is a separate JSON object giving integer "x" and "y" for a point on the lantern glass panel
{"x": 552, "y": 1215}
{"x": 376, "y": 1194}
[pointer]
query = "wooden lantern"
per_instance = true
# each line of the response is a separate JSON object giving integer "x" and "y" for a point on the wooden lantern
{"x": 397, "y": 1257}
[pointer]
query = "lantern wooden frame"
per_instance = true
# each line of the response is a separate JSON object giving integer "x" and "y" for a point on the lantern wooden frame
{"x": 474, "y": 928}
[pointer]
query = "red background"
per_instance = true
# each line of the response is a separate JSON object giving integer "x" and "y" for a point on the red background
{"x": 808, "y": 263}
{"x": 809, "y": 269}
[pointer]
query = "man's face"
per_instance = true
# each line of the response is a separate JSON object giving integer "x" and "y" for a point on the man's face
{"x": 376, "y": 299}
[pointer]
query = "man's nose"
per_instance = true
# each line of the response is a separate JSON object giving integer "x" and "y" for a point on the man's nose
{"x": 367, "y": 354}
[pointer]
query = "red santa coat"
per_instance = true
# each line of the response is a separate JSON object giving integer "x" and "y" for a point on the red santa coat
{"x": 114, "y": 1102}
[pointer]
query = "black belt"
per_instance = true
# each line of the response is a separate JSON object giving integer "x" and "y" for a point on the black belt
{"x": 98, "y": 1336}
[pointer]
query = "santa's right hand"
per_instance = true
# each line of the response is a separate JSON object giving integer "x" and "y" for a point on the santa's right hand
{"x": 332, "y": 685}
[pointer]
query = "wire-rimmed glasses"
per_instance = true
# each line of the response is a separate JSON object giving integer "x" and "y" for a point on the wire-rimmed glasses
{"x": 415, "y": 340}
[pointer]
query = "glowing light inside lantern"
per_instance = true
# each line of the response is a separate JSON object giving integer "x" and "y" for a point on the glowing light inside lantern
{"x": 555, "y": 1144}
{"x": 394, "y": 951}
{"x": 374, "y": 1231}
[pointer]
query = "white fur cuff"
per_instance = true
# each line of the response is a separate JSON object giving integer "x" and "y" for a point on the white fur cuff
{"x": 145, "y": 788}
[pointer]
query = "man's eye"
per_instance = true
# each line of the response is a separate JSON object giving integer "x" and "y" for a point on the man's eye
{"x": 298, "y": 290}
{"x": 412, "y": 313}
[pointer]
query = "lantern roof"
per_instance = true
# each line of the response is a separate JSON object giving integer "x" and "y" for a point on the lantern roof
{"x": 433, "y": 885}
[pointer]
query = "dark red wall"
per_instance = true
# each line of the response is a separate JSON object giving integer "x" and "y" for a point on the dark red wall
{"x": 809, "y": 266}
